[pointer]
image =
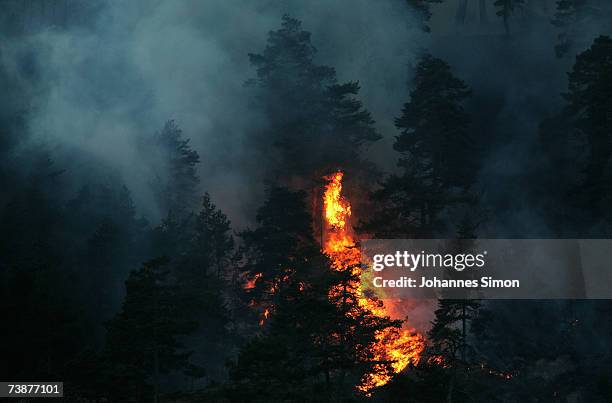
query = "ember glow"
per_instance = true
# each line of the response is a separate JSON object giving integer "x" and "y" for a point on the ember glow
{"x": 250, "y": 284}
{"x": 402, "y": 346}
{"x": 264, "y": 316}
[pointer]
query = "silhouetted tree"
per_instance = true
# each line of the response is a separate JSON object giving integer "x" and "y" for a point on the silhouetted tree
{"x": 203, "y": 249}
{"x": 573, "y": 17}
{"x": 505, "y": 9}
{"x": 143, "y": 340}
{"x": 439, "y": 156}
{"x": 38, "y": 289}
{"x": 314, "y": 122}
{"x": 589, "y": 106}
{"x": 213, "y": 234}
{"x": 316, "y": 340}
{"x": 201, "y": 268}
{"x": 422, "y": 7}
{"x": 177, "y": 179}
{"x": 283, "y": 237}
{"x": 577, "y": 142}
{"x": 106, "y": 240}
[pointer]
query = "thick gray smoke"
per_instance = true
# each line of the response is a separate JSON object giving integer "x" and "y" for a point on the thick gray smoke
{"x": 517, "y": 81}
{"x": 102, "y": 85}
{"x": 106, "y": 84}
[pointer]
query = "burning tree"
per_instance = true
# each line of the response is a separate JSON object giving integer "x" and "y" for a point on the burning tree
{"x": 317, "y": 331}
{"x": 394, "y": 348}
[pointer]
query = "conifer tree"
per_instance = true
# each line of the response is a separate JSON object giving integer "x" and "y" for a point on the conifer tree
{"x": 439, "y": 156}
{"x": 143, "y": 340}
{"x": 314, "y": 122}
{"x": 312, "y": 341}
{"x": 577, "y": 141}
{"x": 201, "y": 268}
{"x": 213, "y": 233}
{"x": 505, "y": 9}
{"x": 177, "y": 179}
{"x": 449, "y": 331}
{"x": 574, "y": 17}
{"x": 203, "y": 249}
{"x": 37, "y": 291}
{"x": 589, "y": 105}
{"x": 277, "y": 249}
{"x": 423, "y": 8}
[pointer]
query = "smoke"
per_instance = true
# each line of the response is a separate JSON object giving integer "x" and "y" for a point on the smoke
{"x": 103, "y": 85}
{"x": 98, "y": 87}
{"x": 93, "y": 90}
{"x": 517, "y": 81}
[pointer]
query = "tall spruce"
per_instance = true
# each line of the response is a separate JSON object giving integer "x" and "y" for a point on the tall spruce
{"x": 37, "y": 290}
{"x": 506, "y": 9}
{"x": 573, "y": 18}
{"x": 439, "y": 156}
{"x": 590, "y": 107}
{"x": 314, "y": 122}
{"x": 312, "y": 342}
{"x": 176, "y": 178}
{"x": 423, "y": 8}
{"x": 577, "y": 143}
{"x": 144, "y": 338}
{"x": 448, "y": 335}
{"x": 202, "y": 248}
{"x": 201, "y": 268}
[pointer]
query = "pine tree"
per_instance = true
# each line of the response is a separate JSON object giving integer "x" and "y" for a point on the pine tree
{"x": 505, "y": 9}
{"x": 108, "y": 240}
{"x": 580, "y": 136}
{"x": 314, "y": 122}
{"x": 449, "y": 331}
{"x": 203, "y": 251}
{"x": 280, "y": 244}
{"x": 37, "y": 288}
{"x": 564, "y": 17}
{"x": 439, "y": 156}
{"x": 573, "y": 17}
{"x": 143, "y": 340}
{"x": 422, "y": 7}
{"x": 201, "y": 269}
{"x": 313, "y": 342}
{"x": 213, "y": 236}
{"x": 177, "y": 179}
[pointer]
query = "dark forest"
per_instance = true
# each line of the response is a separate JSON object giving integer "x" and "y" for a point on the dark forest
{"x": 168, "y": 171}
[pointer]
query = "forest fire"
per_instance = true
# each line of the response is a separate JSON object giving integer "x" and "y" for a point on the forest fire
{"x": 250, "y": 284}
{"x": 400, "y": 347}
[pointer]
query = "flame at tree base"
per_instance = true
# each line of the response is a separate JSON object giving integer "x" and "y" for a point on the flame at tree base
{"x": 398, "y": 346}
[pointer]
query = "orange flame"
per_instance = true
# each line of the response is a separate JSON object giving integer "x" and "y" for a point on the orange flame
{"x": 337, "y": 210}
{"x": 265, "y": 315}
{"x": 250, "y": 284}
{"x": 402, "y": 346}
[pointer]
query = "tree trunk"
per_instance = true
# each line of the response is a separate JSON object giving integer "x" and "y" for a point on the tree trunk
{"x": 451, "y": 387}
{"x": 461, "y": 12}
{"x": 483, "y": 12}
{"x": 219, "y": 269}
{"x": 155, "y": 357}
{"x": 156, "y": 376}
